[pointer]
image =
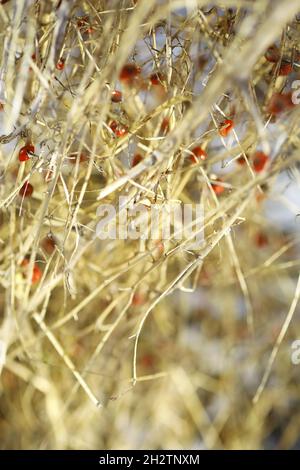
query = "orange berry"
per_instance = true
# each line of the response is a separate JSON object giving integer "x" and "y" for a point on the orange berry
{"x": 60, "y": 64}
{"x": 198, "y": 154}
{"x": 36, "y": 272}
{"x": 156, "y": 78}
{"x": 218, "y": 188}
{"x": 260, "y": 159}
{"x": 138, "y": 299}
{"x": 129, "y": 73}
{"x": 25, "y": 262}
{"x": 226, "y": 127}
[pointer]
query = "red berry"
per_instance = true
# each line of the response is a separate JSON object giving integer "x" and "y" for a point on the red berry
{"x": 118, "y": 129}
{"x": 121, "y": 132}
{"x": 36, "y": 272}
{"x": 138, "y": 299}
{"x": 48, "y": 244}
{"x": 60, "y": 64}
{"x": 241, "y": 160}
{"x": 34, "y": 60}
{"x": 84, "y": 26}
{"x": 74, "y": 157}
{"x": 165, "y": 126}
{"x": 116, "y": 96}
{"x": 137, "y": 158}
{"x": 279, "y": 103}
{"x": 24, "y": 151}
{"x": 26, "y": 190}
{"x": 202, "y": 61}
{"x": 261, "y": 240}
{"x": 260, "y": 160}
{"x": 285, "y": 69}
{"x": 25, "y": 262}
{"x": 129, "y": 73}
{"x": 226, "y": 127}
{"x": 198, "y": 154}
{"x": 82, "y": 21}
{"x": 272, "y": 54}
{"x": 147, "y": 361}
{"x": 156, "y": 78}
{"x": 218, "y": 188}
{"x": 113, "y": 125}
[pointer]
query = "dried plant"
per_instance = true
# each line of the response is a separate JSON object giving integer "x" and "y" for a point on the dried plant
{"x": 148, "y": 343}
